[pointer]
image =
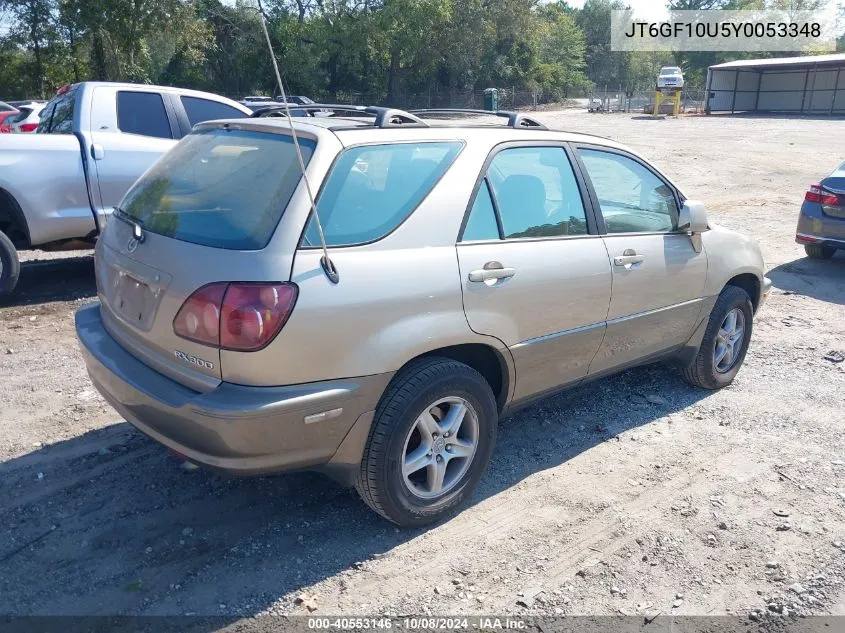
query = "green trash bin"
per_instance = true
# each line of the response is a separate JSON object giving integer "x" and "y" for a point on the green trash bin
{"x": 491, "y": 99}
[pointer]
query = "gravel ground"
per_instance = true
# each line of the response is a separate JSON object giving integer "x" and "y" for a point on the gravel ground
{"x": 635, "y": 495}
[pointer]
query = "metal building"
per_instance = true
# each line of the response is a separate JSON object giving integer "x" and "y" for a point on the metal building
{"x": 809, "y": 85}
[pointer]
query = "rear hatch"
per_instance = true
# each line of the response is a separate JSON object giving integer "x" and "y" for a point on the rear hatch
{"x": 835, "y": 186}
{"x": 206, "y": 213}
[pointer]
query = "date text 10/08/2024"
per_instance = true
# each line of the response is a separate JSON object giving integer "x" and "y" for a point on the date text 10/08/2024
{"x": 418, "y": 623}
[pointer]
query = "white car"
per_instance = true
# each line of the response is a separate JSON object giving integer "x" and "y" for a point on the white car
{"x": 670, "y": 77}
{"x": 28, "y": 117}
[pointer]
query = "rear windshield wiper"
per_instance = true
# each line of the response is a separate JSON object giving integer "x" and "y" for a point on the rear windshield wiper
{"x": 137, "y": 226}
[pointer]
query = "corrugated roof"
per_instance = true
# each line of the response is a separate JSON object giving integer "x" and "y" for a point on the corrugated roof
{"x": 775, "y": 62}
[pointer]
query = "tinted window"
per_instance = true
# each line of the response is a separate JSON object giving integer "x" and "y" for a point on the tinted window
{"x": 199, "y": 110}
{"x": 536, "y": 193}
{"x": 632, "y": 198}
{"x": 373, "y": 189}
{"x": 481, "y": 224}
{"x": 221, "y": 188}
{"x": 142, "y": 113}
{"x": 60, "y": 118}
{"x": 20, "y": 116}
{"x": 46, "y": 117}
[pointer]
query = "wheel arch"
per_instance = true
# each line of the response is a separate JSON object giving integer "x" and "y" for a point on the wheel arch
{"x": 750, "y": 284}
{"x": 13, "y": 221}
{"x": 488, "y": 361}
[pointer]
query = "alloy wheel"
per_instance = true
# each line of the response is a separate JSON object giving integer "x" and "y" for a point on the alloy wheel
{"x": 729, "y": 341}
{"x": 440, "y": 447}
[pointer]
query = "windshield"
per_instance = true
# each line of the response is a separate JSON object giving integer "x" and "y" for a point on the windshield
{"x": 670, "y": 71}
{"x": 219, "y": 187}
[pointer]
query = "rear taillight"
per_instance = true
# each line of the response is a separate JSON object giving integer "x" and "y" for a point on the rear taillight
{"x": 817, "y": 193}
{"x": 28, "y": 127}
{"x": 238, "y": 316}
{"x": 199, "y": 317}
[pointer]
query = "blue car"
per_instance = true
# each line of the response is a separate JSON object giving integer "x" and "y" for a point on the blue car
{"x": 821, "y": 224}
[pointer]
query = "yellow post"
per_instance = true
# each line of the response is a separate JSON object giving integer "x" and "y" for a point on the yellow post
{"x": 658, "y": 98}
{"x": 676, "y": 107}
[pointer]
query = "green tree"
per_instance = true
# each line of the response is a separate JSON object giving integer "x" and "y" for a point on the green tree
{"x": 562, "y": 48}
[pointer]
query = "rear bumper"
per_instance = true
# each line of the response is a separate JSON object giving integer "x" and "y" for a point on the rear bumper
{"x": 235, "y": 428}
{"x": 816, "y": 227}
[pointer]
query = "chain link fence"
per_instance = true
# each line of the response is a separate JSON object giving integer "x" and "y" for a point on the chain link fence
{"x": 508, "y": 98}
{"x": 692, "y": 101}
{"x": 603, "y": 100}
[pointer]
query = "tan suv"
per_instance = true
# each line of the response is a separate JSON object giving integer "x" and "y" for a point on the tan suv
{"x": 474, "y": 269}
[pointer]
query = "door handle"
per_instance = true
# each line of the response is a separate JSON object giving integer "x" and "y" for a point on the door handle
{"x": 628, "y": 258}
{"x": 97, "y": 151}
{"x": 485, "y": 274}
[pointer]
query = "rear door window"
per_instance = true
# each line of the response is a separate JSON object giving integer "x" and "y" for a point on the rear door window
{"x": 219, "y": 188}
{"x": 199, "y": 110}
{"x": 536, "y": 193}
{"x": 142, "y": 113}
{"x": 372, "y": 189}
{"x": 481, "y": 223}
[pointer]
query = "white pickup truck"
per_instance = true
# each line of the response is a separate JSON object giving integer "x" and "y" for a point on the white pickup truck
{"x": 59, "y": 185}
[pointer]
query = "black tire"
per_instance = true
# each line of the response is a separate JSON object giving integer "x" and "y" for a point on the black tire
{"x": 10, "y": 267}
{"x": 702, "y": 371}
{"x": 819, "y": 251}
{"x": 381, "y": 483}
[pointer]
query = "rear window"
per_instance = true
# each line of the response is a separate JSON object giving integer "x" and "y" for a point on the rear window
{"x": 372, "y": 189}
{"x": 220, "y": 188}
{"x": 199, "y": 110}
{"x": 21, "y": 116}
{"x": 142, "y": 113}
{"x": 57, "y": 115}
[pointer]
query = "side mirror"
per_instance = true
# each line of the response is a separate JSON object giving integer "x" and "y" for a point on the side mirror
{"x": 693, "y": 217}
{"x": 693, "y": 220}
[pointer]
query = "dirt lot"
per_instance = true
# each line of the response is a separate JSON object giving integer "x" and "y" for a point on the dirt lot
{"x": 597, "y": 501}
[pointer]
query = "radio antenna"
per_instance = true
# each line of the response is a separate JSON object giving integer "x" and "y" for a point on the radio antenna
{"x": 325, "y": 262}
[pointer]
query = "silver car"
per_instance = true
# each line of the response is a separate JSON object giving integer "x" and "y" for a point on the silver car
{"x": 472, "y": 269}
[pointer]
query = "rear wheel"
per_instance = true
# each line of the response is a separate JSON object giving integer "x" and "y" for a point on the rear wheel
{"x": 725, "y": 341}
{"x": 819, "y": 251}
{"x": 10, "y": 268}
{"x": 431, "y": 441}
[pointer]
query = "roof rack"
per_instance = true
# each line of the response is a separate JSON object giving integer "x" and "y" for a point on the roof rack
{"x": 393, "y": 117}
{"x": 384, "y": 117}
{"x": 515, "y": 119}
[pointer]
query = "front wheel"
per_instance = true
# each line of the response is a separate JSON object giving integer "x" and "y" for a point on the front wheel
{"x": 10, "y": 267}
{"x": 431, "y": 441}
{"x": 725, "y": 341}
